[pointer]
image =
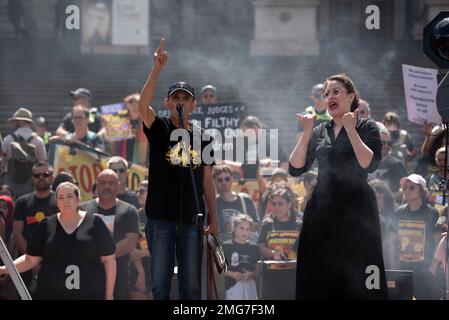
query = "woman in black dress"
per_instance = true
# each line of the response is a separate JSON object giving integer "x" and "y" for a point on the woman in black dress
{"x": 340, "y": 248}
{"x": 75, "y": 250}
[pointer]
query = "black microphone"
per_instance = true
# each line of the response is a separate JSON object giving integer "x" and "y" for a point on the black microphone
{"x": 180, "y": 109}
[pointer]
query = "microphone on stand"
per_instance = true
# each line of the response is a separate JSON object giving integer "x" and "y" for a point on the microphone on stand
{"x": 180, "y": 109}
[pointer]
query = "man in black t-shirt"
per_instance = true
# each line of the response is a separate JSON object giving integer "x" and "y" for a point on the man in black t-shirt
{"x": 170, "y": 205}
{"x": 121, "y": 219}
{"x": 415, "y": 236}
{"x": 32, "y": 208}
{"x": 120, "y": 166}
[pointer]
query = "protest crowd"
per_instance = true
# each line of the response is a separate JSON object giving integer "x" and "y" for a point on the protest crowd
{"x": 258, "y": 229}
{"x": 259, "y": 210}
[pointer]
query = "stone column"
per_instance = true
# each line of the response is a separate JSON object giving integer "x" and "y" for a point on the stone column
{"x": 285, "y": 28}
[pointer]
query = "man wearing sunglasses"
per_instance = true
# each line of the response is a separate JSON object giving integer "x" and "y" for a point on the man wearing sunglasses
{"x": 415, "y": 237}
{"x": 231, "y": 203}
{"x": 32, "y": 208}
{"x": 120, "y": 166}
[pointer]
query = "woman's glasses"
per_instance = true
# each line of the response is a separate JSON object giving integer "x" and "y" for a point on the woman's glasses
{"x": 333, "y": 92}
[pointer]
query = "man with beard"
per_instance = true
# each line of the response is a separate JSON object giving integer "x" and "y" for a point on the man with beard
{"x": 32, "y": 208}
{"x": 122, "y": 220}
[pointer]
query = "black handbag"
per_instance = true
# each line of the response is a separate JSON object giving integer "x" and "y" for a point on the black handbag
{"x": 217, "y": 253}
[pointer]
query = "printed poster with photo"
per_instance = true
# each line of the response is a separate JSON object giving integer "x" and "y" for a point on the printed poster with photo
{"x": 412, "y": 240}
{"x": 283, "y": 240}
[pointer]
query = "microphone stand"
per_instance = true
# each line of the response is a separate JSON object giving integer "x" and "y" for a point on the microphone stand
{"x": 444, "y": 190}
{"x": 199, "y": 216}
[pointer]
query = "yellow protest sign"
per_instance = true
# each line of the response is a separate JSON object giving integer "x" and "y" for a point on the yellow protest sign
{"x": 85, "y": 165}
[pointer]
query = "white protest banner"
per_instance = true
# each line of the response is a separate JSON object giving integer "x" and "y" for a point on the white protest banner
{"x": 420, "y": 86}
{"x": 221, "y": 120}
{"x": 130, "y": 22}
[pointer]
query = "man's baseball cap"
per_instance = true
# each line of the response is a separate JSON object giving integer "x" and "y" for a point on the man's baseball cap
{"x": 317, "y": 90}
{"x": 81, "y": 92}
{"x": 183, "y": 86}
{"x": 416, "y": 179}
{"x": 208, "y": 87}
{"x": 41, "y": 122}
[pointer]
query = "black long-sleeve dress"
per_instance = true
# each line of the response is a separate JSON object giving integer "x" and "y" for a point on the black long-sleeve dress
{"x": 341, "y": 234}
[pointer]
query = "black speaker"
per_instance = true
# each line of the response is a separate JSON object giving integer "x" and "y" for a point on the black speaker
{"x": 400, "y": 284}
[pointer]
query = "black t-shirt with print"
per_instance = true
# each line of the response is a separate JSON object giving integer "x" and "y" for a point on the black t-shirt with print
{"x": 169, "y": 184}
{"x": 240, "y": 256}
{"x": 281, "y": 236}
{"x": 120, "y": 220}
{"x": 278, "y": 279}
{"x": 32, "y": 210}
{"x": 414, "y": 232}
{"x": 66, "y": 257}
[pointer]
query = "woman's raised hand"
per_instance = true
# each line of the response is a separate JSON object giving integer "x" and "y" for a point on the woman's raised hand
{"x": 307, "y": 122}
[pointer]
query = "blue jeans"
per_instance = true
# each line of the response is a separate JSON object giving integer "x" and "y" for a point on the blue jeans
{"x": 165, "y": 239}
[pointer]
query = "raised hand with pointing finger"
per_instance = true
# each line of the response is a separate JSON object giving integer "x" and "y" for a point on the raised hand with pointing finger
{"x": 175, "y": 207}
{"x": 160, "y": 56}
